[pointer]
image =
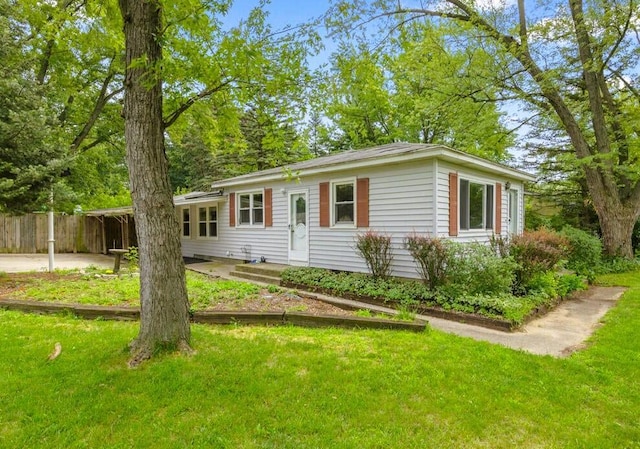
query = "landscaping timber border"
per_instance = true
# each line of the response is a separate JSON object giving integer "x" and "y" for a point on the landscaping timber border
{"x": 217, "y": 317}
{"x": 437, "y": 312}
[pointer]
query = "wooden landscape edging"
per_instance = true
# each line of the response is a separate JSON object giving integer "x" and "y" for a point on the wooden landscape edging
{"x": 437, "y": 312}
{"x": 217, "y": 317}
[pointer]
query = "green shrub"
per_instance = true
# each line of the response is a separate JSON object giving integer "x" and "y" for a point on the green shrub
{"x": 431, "y": 254}
{"x": 377, "y": 252}
{"x": 536, "y": 252}
{"x": 584, "y": 254}
{"x": 499, "y": 245}
{"x": 132, "y": 257}
{"x": 476, "y": 269}
{"x": 408, "y": 293}
{"x": 619, "y": 265}
{"x": 545, "y": 284}
{"x": 569, "y": 283}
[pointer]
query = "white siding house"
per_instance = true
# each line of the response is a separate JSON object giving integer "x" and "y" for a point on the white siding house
{"x": 310, "y": 213}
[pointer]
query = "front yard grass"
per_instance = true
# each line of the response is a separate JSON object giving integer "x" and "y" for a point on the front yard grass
{"x": 91, "y": 288}
{"x": 287, "y": 387}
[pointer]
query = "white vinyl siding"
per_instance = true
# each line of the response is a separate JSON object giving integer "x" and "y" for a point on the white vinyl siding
{"x": 402, "y": 200}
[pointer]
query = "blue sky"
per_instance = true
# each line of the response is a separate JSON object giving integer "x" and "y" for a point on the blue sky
{"x": 282, "y": 12}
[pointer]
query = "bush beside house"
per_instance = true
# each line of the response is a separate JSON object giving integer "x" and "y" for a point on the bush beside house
{"x": 507, "y": 280}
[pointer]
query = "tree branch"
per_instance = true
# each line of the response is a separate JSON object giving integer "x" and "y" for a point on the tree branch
{"x": 101, "y": 102}
{"x": 620, "y": 38}
{"x": 171, "y": 118}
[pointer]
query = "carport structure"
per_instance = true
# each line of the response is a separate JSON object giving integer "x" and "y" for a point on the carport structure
{"x": 117, "y": 227}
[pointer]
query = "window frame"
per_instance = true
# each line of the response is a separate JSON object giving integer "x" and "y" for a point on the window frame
{"x": 464, "y": 207}
{"x": 332, "y": 203}
{"x": 183, "y": 222}
{"x": 251, "y": 209}
{"x": 208, "y": 221}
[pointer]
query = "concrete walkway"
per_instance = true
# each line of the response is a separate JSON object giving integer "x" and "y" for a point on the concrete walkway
{"x": 16, "y": 263}
{"x": 559, "y": 333}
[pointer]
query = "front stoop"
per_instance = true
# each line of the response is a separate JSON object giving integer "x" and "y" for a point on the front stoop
{"x": 268, "y": 273}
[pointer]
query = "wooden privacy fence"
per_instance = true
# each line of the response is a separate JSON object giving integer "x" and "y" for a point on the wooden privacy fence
{"x": 29, "y": 234}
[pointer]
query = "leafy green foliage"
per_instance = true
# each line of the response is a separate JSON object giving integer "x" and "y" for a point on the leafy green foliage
{"x": 536, "y": 252}
{"x": 415, "y": 88}
{"x": 588, "y": 134}
{"x": 431, "y": 255}
{"x": 619, "y": 265}
{"x": 377, "y": 251}
{"x": 29, "y": 153}
{"x": 584, "y": 254}
{"x": 476, "y": 269}
{"x": 133, "y": 257}
{"x": 454, "y": 297}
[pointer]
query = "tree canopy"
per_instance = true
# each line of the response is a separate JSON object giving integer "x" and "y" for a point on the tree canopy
{"x": 417, "y": 87}
{"x": 574, "y": 64}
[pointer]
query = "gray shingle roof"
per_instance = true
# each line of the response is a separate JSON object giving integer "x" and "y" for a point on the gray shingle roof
{"x": 371, "y": 155}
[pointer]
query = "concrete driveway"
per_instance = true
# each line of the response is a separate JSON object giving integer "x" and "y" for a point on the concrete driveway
{"x": 15, "y": 263}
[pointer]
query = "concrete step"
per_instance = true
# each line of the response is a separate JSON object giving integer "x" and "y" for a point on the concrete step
{"x": 264, "y": 269}
{"x": 272, "y": 280}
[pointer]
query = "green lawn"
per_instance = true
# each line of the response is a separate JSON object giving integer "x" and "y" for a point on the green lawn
{"x": 316, "y": 388}
{"x": 69, "y": 287}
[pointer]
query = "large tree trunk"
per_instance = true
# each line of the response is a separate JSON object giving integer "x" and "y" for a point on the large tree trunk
{"x": 616, "y": 224}
{"x": 164, "y": 319}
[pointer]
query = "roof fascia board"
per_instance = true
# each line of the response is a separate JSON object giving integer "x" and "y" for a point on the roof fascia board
{"x": 201, "y": 200}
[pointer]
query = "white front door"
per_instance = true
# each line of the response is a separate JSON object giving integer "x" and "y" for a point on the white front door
{"x": 298, "y": 227}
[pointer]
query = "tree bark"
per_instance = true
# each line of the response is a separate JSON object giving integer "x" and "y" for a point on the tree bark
{"x": 164, "y": 318}
{"x": 616, "y": 224}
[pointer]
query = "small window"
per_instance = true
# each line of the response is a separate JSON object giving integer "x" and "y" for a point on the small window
{"x": 186, "y": 224}
{"x": 476, "y": 205}
{"x": 343, "y": 203}
{"x": 208, "y": 221}
{"x": 250, "y": 209}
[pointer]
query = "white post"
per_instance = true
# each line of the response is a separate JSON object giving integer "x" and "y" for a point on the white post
{"x": 51, "y": 240}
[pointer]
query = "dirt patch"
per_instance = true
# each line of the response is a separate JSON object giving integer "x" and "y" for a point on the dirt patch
{"x": 14, "y": 282}
{"x": 280, "y": 302}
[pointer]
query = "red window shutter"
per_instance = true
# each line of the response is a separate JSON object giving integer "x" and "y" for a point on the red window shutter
{"x": 363, "y": 202}
{"x": 498, "y": 225}
{"x": 268, "y": 208}
{"x": 232, "y": 210}
{"x": 453, "y": 204}
{"x": 324, "y": 205}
